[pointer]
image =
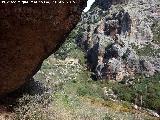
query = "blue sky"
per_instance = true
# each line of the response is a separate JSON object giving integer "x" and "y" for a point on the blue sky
{"x": 89, "y": 3}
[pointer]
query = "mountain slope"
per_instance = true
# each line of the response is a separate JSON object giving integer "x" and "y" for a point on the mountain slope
{"x": 73, "y": 84}
{"x": 120, "y": 40}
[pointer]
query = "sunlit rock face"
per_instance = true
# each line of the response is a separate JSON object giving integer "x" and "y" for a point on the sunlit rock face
{"x": 124, "y": 42}
{"x": 119, "y": 1}
{"x": 106, "y": 4}
{"x": 29, "y": 33}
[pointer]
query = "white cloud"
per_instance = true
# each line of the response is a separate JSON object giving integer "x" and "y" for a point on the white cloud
{"x": 89, "y": 3}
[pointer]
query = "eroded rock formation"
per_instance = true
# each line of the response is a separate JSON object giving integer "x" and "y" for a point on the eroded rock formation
{"x": 29, "y": 33}
{"x": 121, "y": 44}
{"x": 106, "y": 4}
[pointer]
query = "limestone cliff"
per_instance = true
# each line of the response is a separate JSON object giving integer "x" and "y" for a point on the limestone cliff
{"x": 120, "y": 39}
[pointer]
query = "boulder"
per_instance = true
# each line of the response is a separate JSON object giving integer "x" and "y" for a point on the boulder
{"x": 29, "y": 33}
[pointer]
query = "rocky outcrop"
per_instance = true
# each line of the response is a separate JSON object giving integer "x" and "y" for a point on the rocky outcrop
{"x": 118, "y": 23}
{"x": 121, "y": 41}
{"x": 29, "y": 33}
{"x": 106, "y": 4}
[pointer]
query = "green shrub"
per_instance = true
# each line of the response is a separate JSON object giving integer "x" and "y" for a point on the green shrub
{"x": 87, "y": 88}
{"x": 146, "y": 88}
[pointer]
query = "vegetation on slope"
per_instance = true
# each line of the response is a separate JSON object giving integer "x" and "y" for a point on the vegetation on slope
{"x": 63, "y": 89}
{"x": 144, "y": 92}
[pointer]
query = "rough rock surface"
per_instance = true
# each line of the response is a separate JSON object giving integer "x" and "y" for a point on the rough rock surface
{"x": 106, "y": 4}
{"x": 29, "y": 33}
{"x": 123, "y": 42}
